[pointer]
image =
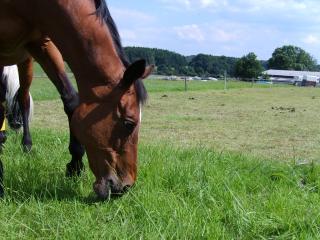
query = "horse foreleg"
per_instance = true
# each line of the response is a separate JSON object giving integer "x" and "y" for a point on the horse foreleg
{"x": 50, "y": 59}
{"x": 25, "y": 78}
{"x": 1, "y": 180}
{"x": 3, "y": 90}
{"x": 3, "y": 136}
{"x": 2, "y": 133}
{"x": 2, "y": 140}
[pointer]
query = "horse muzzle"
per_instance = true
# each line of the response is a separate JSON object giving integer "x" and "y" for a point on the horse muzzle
{"x": 107, "y": 188}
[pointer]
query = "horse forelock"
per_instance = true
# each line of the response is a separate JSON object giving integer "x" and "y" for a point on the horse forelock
{"x": 103, "y": 13}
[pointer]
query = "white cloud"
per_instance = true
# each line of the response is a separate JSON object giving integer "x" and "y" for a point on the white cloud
{"x": 211, "y": 3}
{"x": 194, "y": 4}
{"x": 220, "y": 31}
{"x": 136, "y": 17}
{"x": 222, "y": 35}
{"x": 190, "y": 32}
{"x": 311, "y": 39}
{"x": 221, "y": 27}
{"x": 135, "y": 27}
{"x": 285, "y": 6}
{"x": 128, "y": 35}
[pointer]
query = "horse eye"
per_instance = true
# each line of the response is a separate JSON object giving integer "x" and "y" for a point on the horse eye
{"x": 129, "y": 125}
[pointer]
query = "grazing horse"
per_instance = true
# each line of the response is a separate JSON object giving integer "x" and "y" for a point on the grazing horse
{"x": 10, "y": 108}
{"x": 105, "y": 117}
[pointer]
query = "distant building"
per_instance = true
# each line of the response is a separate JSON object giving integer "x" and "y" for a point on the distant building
{"x": 291, "y": 76}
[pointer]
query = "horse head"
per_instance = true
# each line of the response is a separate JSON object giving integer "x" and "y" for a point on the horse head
{"x": 109, "y": 131}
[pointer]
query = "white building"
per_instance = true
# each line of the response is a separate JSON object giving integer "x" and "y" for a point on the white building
{"x": 290, "y": 76}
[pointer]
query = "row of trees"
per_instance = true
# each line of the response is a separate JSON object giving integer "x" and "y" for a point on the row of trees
{"x": 170, "y": 63}
{"x": 284, "y": 58}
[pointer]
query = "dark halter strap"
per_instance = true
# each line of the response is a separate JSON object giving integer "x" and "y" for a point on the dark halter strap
{"x": 3, "y": 85}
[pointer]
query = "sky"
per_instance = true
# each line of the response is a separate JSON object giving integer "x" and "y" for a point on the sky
{"x": 219, "y": 27}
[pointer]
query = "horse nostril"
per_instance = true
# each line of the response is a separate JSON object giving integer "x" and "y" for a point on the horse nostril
{"x": 117, "y": 188}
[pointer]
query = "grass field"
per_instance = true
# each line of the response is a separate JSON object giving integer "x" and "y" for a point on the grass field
{"x": 214, "y": 164}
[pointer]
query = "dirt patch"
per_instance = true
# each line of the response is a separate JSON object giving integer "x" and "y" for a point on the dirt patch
{"x": 284, "y": 109}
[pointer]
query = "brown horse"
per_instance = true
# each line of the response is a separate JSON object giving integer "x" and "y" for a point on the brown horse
{"x": 106, "y": 119}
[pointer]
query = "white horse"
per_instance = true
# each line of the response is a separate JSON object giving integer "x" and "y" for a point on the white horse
{"x": 9, "y": 107}
{"x": 9, "y": 85}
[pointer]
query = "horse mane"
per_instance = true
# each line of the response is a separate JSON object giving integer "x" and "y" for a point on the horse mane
{"x": 103, "y": 13}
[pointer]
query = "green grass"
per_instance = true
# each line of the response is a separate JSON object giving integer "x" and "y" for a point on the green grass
{"x": 179, "y": 86}
{"x": 154, "y": 86}
{"x": 213, "y": 164}
{"x": 181, "y": 193}
{"x": 42, "y": 89}
{"x": 277, "y": 123}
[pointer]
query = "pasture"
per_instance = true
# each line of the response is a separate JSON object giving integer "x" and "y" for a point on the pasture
{"x": 213, "y": 164}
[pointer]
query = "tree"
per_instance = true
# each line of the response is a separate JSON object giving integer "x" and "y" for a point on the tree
{"x": 168, "y": 63}
{"x": 248, "y": 66}
{"x": 212, "y": 65}
{"x": 171, "y": 63}
{"x": 292, "y": 58}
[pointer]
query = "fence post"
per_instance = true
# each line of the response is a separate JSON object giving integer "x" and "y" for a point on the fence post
{"x": 225, "y": 80}
{"x": 185, "y": 84}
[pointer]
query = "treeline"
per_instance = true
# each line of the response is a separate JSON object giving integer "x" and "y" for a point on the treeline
{"x": 287, "y": 57}
{"x": 171, "y": 63}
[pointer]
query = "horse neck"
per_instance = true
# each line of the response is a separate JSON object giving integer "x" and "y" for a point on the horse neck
{"x": 85, "y": 43}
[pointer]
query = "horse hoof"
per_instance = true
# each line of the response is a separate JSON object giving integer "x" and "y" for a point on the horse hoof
{"x": 74, "y": 170}
{"x": 27, "y": 148}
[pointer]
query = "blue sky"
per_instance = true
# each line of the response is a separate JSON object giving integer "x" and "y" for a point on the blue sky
{"x": 219, "y": 27}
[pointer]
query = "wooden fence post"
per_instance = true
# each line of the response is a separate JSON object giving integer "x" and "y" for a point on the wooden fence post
{"x": 225, "y": 81}
{"x": 185, "y": 84}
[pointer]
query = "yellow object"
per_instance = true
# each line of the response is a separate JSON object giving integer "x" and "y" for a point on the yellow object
{"x": 3, "y": 127}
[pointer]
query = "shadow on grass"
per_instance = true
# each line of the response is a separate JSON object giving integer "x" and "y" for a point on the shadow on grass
{"x": 40, "y": 174}
{"x": 24, "y": 180}
{"x": 20, "y": 188}
{"x": 26, "y": 176}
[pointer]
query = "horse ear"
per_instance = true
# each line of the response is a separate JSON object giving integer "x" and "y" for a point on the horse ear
{"x": 134, "y": 72}
{"x": 148, "y": 70}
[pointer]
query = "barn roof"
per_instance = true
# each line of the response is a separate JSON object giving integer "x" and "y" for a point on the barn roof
{"x": 290, "y": 73}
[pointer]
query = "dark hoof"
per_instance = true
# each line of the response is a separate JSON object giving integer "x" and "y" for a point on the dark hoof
{"x": 74, "y": 169}
{"x": 27, "y": 148}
